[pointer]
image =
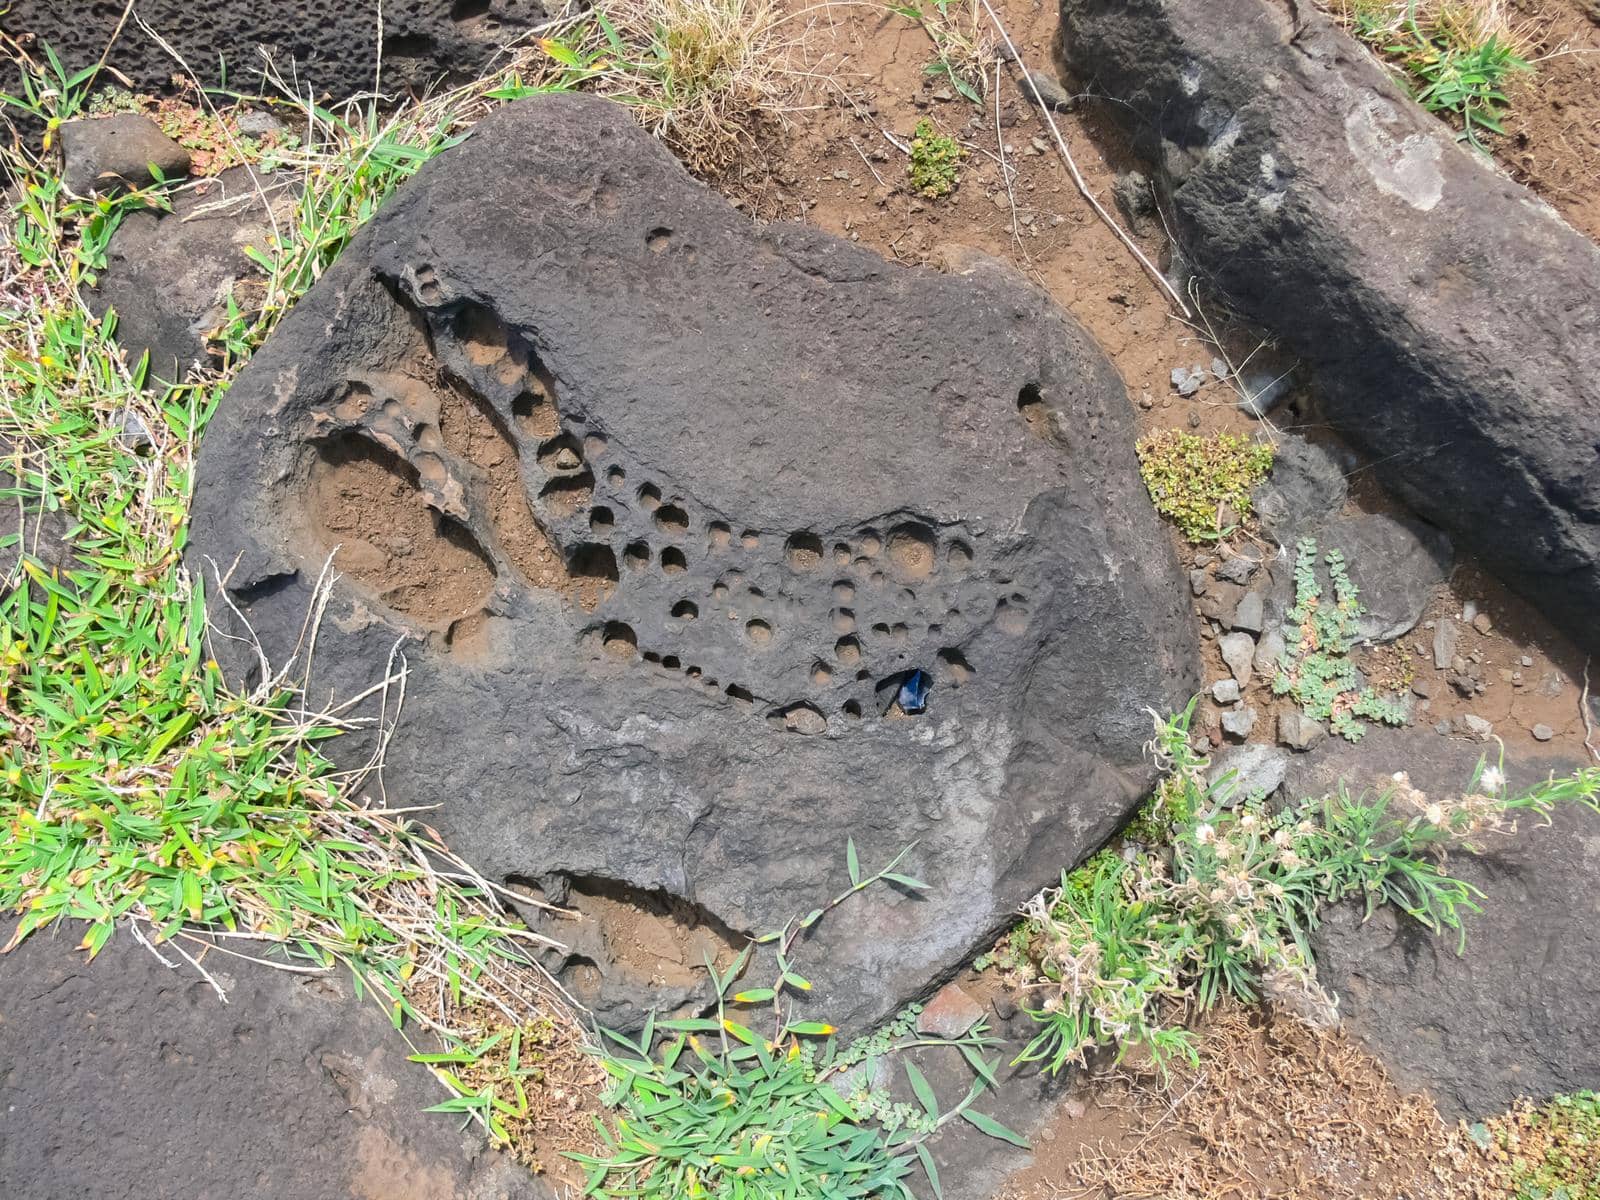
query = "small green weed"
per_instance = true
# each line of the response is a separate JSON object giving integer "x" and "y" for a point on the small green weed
{"x": 722, "y": 1109}
{"x": 1225, "y": 905}
{"x": 935, "y": 161}
{"x": 1315, "y": 667}
{"x": 1197, "y": 480}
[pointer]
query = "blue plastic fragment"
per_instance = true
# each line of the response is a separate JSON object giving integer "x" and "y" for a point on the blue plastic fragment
{"x": 913, "y": 694}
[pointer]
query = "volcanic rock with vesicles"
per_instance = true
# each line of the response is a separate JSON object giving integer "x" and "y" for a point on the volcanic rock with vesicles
{"x": 664, "y": 509}
{"x": 1450, "y": 319}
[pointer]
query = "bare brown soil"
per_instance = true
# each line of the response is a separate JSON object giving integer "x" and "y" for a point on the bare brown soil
{"x": 1275, "y": 1111}
{"x": 1553, "y": 131}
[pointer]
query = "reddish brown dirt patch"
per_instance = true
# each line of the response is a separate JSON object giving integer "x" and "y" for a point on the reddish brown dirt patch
{"x": 1275, "y": 1111}
{"x": 366, "y": 502}
{"x": 1553, "y": 129}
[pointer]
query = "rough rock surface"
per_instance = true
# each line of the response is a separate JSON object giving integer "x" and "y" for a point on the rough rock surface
{"x": 1450, "y": 318}
{"x": 168, "y": 275}
{"x": 1513, "y": 1015}
{"x": 331, "y": 47}
{"x": 125, "y": 1080}
{"x": 1395, "y": 563}
{"x": 770, "y": 476}
{"x": 110, "y": 153}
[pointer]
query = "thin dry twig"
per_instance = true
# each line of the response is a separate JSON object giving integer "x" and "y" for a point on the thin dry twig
{"x": 1078, "y": 180}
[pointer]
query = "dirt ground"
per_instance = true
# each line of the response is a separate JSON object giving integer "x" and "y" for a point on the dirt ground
{"x": 1553, "y": 132}
{"x": 1274, "y": 1111}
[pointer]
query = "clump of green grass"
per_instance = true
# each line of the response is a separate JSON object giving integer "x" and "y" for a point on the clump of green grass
{"x": 1315, "y": 669}
{"x": 1202, "y": 482}
{"x": 137, "y": 788}
{"x": 1457, "y": 55}
{"x": 935, "y": 167}
{"x": 1226, "y": 905}
{"x": 727, "y": 1106}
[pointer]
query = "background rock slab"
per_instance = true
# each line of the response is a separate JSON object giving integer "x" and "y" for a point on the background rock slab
{"x": 1451, "y": 320}
{"x": 331, "y": 47}
{"x": 1514, "y": 1014}
{"x": 125, "y": 1080}
{"x": 668, "y": 505}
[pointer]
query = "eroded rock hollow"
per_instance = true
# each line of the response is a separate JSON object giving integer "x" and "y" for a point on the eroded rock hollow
{"x": 666, "y": 507}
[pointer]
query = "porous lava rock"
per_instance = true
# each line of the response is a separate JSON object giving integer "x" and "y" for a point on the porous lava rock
{"x": 663, "y": 508}
{"x": 1513, "y": 1013}
{"x": 129, "y": 1077}
{"x": 1450, "y": 318}
{"x": 330, "y": 48}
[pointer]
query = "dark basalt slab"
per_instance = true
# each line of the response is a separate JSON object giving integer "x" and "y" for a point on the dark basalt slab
{"x": 663, "y": 507}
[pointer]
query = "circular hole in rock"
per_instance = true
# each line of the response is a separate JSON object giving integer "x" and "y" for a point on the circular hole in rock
{"x": 758, "y": 631}
{"x": 672, "y": 520}
{"x": 742, "y": 694}
{"x": 658, "y": 239}
{"x": 844, "y": 620}
{"x": 841, "y": 554}
{"x": 821, "y": 673}
{"x": 636, "y": 555}
{"x": 718, "y": 535}
{"x": 619, "y": 640}
{"x": 848, "y": 650}
{"x": 686, "y": 610}
{"x": 601, "y": 519}
{"x": 803, "y": 551}
{"x": 844, "y": 591}
{"x": 673, "y": 561}
{"x": 671, "y": 663}
{"x": 953, "y": 665}
{"x": 959, "y": 555}
{"x": 800, "y": 717}
{"x": 911, "y": 548}
{"x": 852, "y": 708}
{"x": 870, "y": 544}
{"x": 649, "y": 497}
{"x": 750, "y": 539}
{"x": 616, "y": 476}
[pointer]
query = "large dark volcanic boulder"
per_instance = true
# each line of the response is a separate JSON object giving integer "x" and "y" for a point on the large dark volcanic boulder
{"x": 667, "y": 506}
{"x": 1512, "y": 1016}
{"x": 329, "y": 46}
{"x": 124, "y": 1080}
{"x": 1451, "y": 318}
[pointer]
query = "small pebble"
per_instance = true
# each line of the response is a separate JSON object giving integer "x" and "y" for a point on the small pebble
{"x": 1543, "y": 732}
{"x": 1225, "y": 691}
{"x": 1525, "y": 661}
{"x": 1483, "y": 624}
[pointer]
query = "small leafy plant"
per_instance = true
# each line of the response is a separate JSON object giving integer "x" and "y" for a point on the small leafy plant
{"x": 721, "y": 1108}
{"x": 1226, "y": 906}
{"x": 935, "y": 161}
{"x": 1315, "y": 668}
{"x": 1197, "y": 480}
{"x": 1549, "y": 1151}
